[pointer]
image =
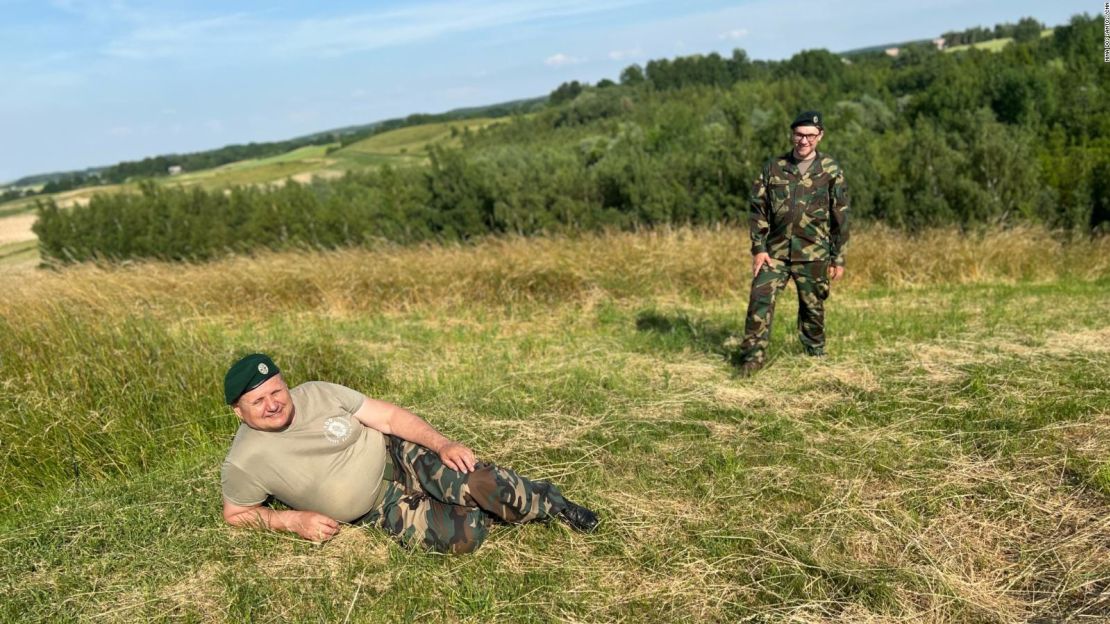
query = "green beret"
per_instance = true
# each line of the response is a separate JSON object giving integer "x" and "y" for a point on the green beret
{"x": 247, "y": 374}
{"x": 809, "y": 118}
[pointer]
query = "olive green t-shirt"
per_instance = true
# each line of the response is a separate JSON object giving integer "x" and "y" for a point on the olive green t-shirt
{"x": 803, "y": 165}
{"x": 325, "y": 461}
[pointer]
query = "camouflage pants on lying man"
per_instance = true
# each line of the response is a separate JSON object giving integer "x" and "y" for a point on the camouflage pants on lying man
{"x": 431, "y": 505}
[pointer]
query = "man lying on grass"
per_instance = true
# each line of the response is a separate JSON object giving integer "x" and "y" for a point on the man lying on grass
{"x": 336, "y": 456}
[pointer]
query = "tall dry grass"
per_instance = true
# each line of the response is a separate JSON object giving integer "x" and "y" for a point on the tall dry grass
{"x": 708, "y": 263}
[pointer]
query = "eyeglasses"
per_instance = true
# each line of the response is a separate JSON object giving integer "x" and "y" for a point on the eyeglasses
{"x": 799, "y": 137}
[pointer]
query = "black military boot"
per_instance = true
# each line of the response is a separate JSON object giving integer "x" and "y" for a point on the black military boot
{"x": 578, "y": 518}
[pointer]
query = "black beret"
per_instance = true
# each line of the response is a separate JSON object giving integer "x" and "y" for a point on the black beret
{"x": 809, "y": 118}
{"x": 247, "y": 374}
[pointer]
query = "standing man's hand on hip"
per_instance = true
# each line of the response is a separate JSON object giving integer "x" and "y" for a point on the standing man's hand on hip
{"x": 759, "y": 260}
{"x": 835, "y": 272}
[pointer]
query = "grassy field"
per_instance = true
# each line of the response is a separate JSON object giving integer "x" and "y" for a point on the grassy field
{"x": 18, "y": 246}
{"x": 948, "y": 462}
{"x": 18, "y": 256}
{"x": 993, "y": 45}
{"x": 404, "y": 145}
{"x": 17, "y": 207}
{"x": 258, "y": 170}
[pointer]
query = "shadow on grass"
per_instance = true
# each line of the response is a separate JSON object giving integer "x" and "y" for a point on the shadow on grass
{"x": 678, "y": 330}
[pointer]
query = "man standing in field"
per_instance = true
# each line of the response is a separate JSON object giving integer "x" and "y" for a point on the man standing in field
{"x": 799, "y": 227}
{"x": 336, "y": 456}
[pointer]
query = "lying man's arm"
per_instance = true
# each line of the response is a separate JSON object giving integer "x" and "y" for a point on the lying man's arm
{"x": 308, "y": 524}
{"x": 393, "y": 420}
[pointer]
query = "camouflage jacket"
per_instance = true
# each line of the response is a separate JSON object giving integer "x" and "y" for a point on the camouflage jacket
{"x": 798, "y": 217}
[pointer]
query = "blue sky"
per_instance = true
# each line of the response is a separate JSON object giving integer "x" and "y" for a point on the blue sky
{"x": 93, "y": 82}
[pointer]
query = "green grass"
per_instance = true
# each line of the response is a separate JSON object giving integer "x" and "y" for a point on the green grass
{"x": 16, "y": 207}
{"x": 413, "y": 139}
{"x": 261, "y": 174}
{"x": 993, "y": 45}
{"x": 403, "y": 146}
{"x": 947, "y": 462}
{"x": 24, "y": 253}
{"x": 256, "y": 171}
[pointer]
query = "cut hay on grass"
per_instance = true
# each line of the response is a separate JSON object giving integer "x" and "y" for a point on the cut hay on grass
{"x": 949, "y": 461}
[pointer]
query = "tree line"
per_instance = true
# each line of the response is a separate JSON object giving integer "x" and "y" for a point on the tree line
{"x": 926, "y": 138}
{"x": 1026, "y": 29}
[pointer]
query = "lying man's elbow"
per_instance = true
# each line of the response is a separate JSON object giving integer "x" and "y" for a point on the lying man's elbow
{"x": 237, "y": 515}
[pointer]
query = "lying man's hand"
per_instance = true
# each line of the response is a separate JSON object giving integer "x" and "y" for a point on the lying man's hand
{"x": 836, "y": 272}
{"x": 313, "y": 526}
{"x": 457, "y": 457}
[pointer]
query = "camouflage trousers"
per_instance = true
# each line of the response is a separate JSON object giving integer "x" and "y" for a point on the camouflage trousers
{"x": 431, "y": 505}
{"x": 812, "y": 282}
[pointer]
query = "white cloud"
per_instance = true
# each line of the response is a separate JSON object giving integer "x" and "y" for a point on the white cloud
{"x": 98, "y": 11}
{"x": 560, "y": 60}
{"x": 620, "y": 55}
{"x": 737, "y": 33}
{"x": 184, "y": 38}
{"x": 241, "y": 34}
{"x": 418, "y": 22}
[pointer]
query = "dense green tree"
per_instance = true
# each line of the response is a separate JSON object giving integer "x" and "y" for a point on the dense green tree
{"x": 565, "y": 92}
{"x": 1027, "y": 29}
{"x": 632, "y": 75}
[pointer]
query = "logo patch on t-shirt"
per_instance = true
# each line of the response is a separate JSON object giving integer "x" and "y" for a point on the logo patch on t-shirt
{"x": 337, "y": 429}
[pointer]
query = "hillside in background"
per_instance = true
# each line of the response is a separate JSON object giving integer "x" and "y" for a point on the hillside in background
{"x": 895, "y": 100}
{"x": 1021, "y": 135}
{"x": 407, "y": 145}
{"x": 159, "y": 166}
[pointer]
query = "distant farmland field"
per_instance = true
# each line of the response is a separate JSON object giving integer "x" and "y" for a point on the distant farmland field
{"x": 18, "y": 246}
{"x": 16, "y": 228}
{"x": 256, "y": 171}
{"x": 414, "y": 139}
{"x": 399, "y": 147}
